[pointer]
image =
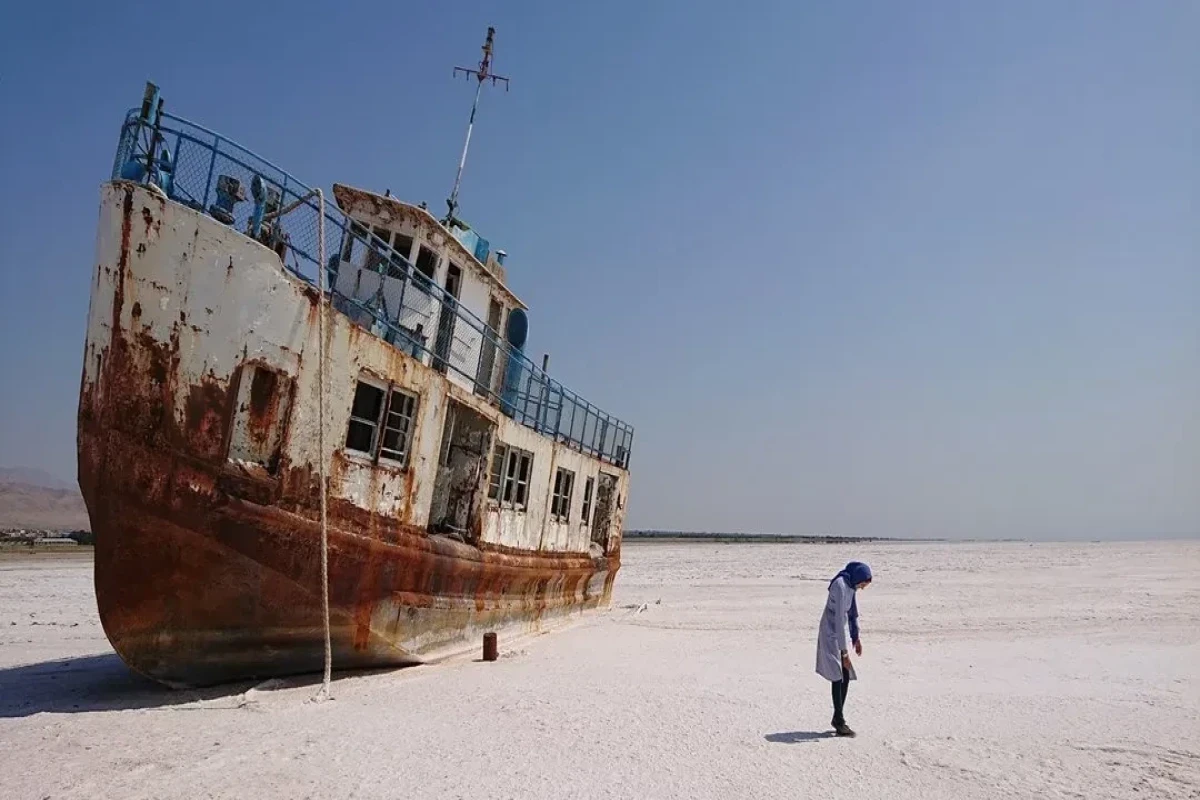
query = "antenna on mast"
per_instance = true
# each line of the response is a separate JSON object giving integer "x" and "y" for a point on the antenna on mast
{"x": 481, "y": 74}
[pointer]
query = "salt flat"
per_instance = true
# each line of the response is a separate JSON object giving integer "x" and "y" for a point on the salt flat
{"x": 997, "y": 670}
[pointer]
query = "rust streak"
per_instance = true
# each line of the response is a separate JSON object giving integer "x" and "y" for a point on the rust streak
{"x": 264, "y": 405}
{"x": 204, "y": 417}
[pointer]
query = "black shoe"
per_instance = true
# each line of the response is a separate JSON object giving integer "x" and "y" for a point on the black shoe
{"x": 843, "y": 730}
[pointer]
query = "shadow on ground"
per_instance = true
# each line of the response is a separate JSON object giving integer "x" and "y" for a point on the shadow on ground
{"x": 104, "y": 683}
{"x": 795, "y": 737}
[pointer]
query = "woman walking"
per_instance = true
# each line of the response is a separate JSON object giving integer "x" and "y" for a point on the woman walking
{"x": 833, "y": 656}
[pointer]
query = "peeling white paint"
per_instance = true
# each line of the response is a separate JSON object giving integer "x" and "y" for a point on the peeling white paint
{"x": 234, "y": 304}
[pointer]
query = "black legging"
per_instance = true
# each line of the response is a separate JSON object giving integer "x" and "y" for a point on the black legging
{"x": 839, "y": 697}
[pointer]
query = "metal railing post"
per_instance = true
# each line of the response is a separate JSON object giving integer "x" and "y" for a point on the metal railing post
{"x": 212, "y": 165}
{"x": 558, "y": 416}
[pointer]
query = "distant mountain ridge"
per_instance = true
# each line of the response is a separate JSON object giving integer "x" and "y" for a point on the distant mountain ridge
{"x": 31, "y": 476}
{"x": 33, "y": 498}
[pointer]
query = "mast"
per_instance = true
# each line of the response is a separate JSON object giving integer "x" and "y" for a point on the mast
{"x": 482, "y": 73}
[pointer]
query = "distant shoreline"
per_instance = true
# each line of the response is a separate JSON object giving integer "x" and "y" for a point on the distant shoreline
{"x": 761, "y": 538}
{"x": 10, "y": 553}
{"x": 686, "y": 537}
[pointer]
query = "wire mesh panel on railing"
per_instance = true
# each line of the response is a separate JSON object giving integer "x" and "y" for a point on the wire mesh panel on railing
{"x": 372, "y": 284}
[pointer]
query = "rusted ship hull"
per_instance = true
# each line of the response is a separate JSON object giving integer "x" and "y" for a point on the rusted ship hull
{"x": 221, "y": 588}
{"x": 208, "y": 568}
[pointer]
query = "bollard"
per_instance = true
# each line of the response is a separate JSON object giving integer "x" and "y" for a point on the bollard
{"x": 490, "y": 649}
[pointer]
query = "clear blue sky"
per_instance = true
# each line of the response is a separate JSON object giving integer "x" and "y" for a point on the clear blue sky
{"x": 860, "y": 268}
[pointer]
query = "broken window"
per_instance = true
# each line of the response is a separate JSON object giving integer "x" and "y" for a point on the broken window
{"x": 510, "y": 478}
{"x": 427, "y": 262}
{"x": 358, "y": 232}
{"x": 509, "y": 482}
{"x": 374, "y": 250}
{"x": 398, "y": 426}
{"x": 587, "y": 499}
{"x": 525, "y": 465}
{"x": 403, "y": 245}
{"x": 487, "y": 359}
{"x": 364, "y": 418}
{"x": 497, "y": 473}
{"x": 560, "y": 504}
{"x": 378, "y": 434}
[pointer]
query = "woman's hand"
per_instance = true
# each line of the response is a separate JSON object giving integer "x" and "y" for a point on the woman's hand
{"x": 858, "y": 648}
{"x": 846, "y": 661}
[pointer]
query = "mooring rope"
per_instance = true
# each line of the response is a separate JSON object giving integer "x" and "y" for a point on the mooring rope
{"x": 322, "y": 371}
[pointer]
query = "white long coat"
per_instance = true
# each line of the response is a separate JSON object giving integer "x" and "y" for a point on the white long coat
{"x": 832, "y": 638}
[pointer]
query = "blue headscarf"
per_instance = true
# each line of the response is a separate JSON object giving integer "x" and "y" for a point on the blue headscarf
{"x": 855, "y": 573}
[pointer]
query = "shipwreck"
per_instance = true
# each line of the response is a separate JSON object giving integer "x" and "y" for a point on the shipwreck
{"x": 308, "y": 419}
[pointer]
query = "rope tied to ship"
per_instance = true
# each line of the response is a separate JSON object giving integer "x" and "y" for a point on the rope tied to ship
{"x": 322, "y": 372}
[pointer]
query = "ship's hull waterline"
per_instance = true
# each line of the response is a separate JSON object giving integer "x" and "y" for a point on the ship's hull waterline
{"x": 209, "y": 569}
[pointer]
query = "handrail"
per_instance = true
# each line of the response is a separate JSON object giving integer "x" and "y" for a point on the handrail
{"x": 199, "y": 157}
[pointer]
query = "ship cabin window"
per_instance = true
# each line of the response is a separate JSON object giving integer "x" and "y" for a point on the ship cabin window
{"x": 364, "y": 418}
{"x": 427, "y": 259}
{"x": 509, "y": 483}
{"x": 588, "y": 486}
{"x": 374, "y": 251}
{"x": 403, "y": 245}
{"x": 398, "y": 426}
{"x": 358, "y": 233}
{"x": 381, "y": 422}
{"x": 560, "y": 503}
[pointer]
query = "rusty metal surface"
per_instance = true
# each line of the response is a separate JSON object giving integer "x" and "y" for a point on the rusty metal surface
{"x": 209, "y": 570}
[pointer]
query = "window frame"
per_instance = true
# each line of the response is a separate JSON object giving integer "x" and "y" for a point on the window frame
{"x": 375, "y": 259}
{"x": 509, "y": 476}
{"x": 358, "y": 232}
{"x": 563, "y": 494}
{"x": 380, "y": 425}
{"x": 524, "y": 474}
{"x": 496, "y": 473}
{"x": 373, "y": 423}
{"x": 397, "y": 236}
{"x": 405, "y": 452}
{"x": 434, "y": 261}
{"x": 589, "y": 495}
{"x": 397, "y": 269}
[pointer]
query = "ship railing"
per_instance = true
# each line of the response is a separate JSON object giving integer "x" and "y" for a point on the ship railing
{"x": 211, "y": 174}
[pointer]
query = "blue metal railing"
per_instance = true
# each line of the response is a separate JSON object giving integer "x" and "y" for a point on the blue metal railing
{"x": 405, "y": 308}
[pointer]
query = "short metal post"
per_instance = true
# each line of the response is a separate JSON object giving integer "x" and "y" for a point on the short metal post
{"x": 491, "y": 650}
{"x": 544, "y": 400}
{"x": 212, "y": 165}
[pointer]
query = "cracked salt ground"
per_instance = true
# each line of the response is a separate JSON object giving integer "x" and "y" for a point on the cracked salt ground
{"x": 990, "y": 671}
